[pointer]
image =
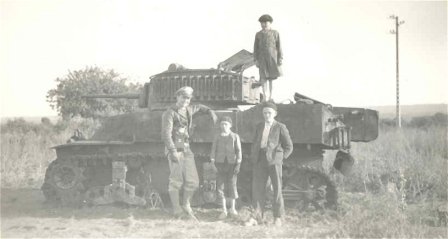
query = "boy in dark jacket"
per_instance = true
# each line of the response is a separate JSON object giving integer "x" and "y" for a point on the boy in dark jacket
{"x": 268, "y": 55}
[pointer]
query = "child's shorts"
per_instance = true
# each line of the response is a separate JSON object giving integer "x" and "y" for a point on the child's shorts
{"x": 226, "y": 181}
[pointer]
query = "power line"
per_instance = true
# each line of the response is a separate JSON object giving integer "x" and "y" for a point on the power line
{"x": 397, "y": 24}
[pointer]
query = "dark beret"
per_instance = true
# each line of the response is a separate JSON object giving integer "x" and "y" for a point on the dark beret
{"x": 226, "y": 119}
{"x": 265, "y": 18}
{"x": 269, "y": 105}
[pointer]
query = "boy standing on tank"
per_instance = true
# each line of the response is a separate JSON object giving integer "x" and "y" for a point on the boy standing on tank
{"x": 176, "y": 124}
{"x": 226, "y": 154}
{"x": 268, "y": 55}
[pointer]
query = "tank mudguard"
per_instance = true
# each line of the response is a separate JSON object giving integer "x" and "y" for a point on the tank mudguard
{"x": 364, "y": 122}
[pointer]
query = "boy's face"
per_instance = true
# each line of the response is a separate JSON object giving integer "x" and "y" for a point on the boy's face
{"x": 269, "y": 114}
{"x": 265, "y": 25}
{"x": 183, "y": 101}
{"x": 225, "y": 126}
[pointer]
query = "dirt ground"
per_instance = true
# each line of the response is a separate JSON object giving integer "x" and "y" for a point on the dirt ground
{"x": 25, "y": 214}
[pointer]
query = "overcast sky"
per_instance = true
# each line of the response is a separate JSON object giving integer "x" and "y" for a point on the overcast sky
{"x": 338, "y": 52}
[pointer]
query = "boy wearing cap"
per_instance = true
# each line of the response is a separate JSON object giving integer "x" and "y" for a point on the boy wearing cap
{"x": 226, "y": 154}
{"x": 176, "y": 124}
{"x": 271, "y": 145}
{"x": 268, "y": 54}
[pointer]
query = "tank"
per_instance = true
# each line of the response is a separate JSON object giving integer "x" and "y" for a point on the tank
{"x": 124, "y": 161}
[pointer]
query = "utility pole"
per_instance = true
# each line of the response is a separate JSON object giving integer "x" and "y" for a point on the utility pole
{"x": 397, "y": 24}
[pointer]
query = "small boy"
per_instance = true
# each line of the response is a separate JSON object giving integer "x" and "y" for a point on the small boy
{"x": 226, "y": 154}
{"x": 268, "y": 55}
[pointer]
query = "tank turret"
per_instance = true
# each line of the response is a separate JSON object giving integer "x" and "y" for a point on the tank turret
{"x": 221, "y": 88}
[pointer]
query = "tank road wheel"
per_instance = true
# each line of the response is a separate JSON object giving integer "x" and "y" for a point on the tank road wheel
{"x": 307, "y": 188}
{"x": 63, "y": 183}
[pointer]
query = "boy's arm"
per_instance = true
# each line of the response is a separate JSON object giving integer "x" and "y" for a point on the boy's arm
{"x": 256, "y": 49}
{"x": 279, "y": 50}
{"x": 238, "y": 150}
{"x": 286, "y": 142}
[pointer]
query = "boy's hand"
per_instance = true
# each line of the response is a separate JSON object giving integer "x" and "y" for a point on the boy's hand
{"x": 256, "y": 63}
{"x": 212, "y": 160}
{"x": 174, "y": 157}
{"x": 236, "y": 170}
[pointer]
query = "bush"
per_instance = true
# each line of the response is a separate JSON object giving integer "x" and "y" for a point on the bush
{"x": 438, "y": 119}
{"x": 67, "y": 98}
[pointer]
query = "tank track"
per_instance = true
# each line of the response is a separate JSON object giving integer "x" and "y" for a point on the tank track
{"x": 80, "y": 188}
{"x": 310, "y": 187}
{"x": 69, "y": 182}
{"x": 318, "y": 193}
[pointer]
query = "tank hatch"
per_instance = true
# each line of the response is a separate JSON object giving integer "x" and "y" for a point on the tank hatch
{"x": 238, "y": 62}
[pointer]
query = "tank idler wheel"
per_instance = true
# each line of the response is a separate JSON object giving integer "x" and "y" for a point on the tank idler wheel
{"x": 50, "y": 193}
{"x": 63, "y": 183}
{"x": 308, "y": 189}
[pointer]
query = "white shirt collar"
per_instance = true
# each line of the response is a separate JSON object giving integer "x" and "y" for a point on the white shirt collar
{"x": 268, "y": 123}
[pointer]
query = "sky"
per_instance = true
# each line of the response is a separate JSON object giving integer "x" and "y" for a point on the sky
{"x": 338, "y": 52}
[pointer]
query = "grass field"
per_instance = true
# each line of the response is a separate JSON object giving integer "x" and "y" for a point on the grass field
{"x": 396, "y": 187}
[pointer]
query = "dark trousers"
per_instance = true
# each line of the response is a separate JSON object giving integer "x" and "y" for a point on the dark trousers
{"x": 226, "y": 180}
{"x": 261, "y": 173}
{"x": 183, "y": 173}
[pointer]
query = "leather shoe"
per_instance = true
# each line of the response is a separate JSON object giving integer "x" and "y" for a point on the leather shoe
{"x": 233, "y": 213}
{"x": 278, "y": 222}
{"x": 222, "y": 216}
{"x": 251, "y": 222}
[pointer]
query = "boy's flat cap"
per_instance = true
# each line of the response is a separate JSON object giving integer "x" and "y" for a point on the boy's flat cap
{"x": 269, "y": 104}
{"x": 265, "y": 18}
{"x": 226, "y": 119}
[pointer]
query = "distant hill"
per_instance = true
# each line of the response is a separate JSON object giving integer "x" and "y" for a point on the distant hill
{"x": 34, "y": 119}
{"x": 409, "y": 111}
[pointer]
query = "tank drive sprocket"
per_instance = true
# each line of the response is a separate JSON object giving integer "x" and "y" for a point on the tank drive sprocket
{"x": 307, "y": 188}
{"x": 64, "y": 183}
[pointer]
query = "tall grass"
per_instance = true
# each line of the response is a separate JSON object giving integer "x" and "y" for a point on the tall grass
{"x": 26, "y": 148}
{"x": 413, "y": 159}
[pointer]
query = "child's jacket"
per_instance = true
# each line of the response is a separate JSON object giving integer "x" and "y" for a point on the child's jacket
{"x": 226, "y": 147}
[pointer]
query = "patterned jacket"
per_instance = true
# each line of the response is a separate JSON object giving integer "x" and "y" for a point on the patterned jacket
{"x": 176, "y": 127}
